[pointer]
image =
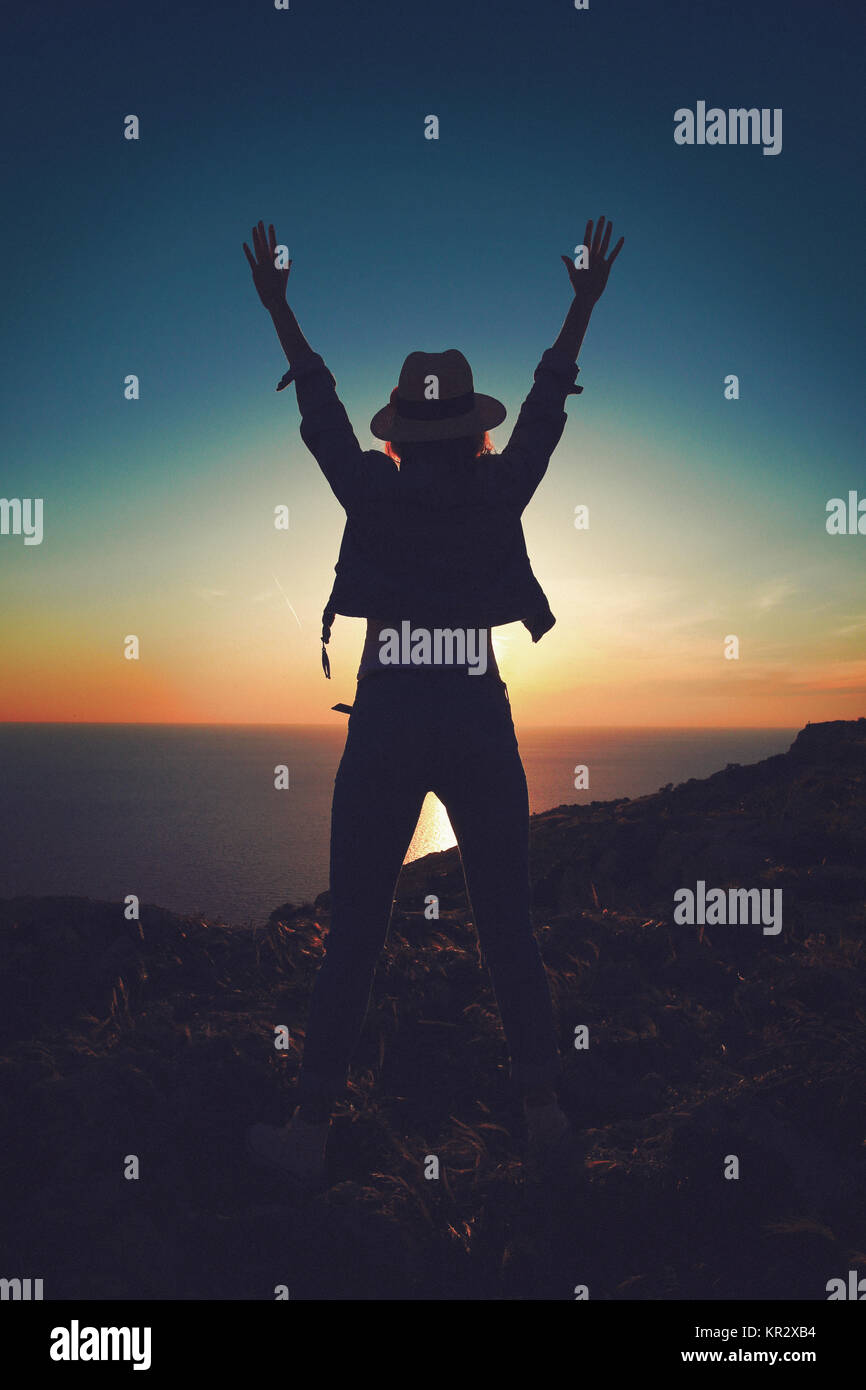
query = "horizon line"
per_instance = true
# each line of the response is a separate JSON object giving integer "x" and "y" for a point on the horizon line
{"x": 284, "y": 724}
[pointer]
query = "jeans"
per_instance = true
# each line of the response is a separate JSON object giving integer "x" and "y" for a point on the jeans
{"x": 410, "y": 732}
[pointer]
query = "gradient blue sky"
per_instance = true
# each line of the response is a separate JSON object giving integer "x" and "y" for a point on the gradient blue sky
{"x": 707, "y": 517}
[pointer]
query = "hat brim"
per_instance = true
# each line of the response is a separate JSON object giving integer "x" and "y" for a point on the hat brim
{"x": 486, "y": 414}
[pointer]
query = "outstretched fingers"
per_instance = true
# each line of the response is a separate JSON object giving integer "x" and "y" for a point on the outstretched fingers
{"x": 615, "y": 252}
{"x": 264, "y": 246}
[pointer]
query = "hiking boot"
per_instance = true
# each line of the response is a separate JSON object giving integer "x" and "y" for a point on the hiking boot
{"x": 549, "y": 1140}
{"x": 295, "y": 1150}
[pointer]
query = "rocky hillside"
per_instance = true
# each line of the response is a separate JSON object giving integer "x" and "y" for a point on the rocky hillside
{"x": 156, "y": 1039}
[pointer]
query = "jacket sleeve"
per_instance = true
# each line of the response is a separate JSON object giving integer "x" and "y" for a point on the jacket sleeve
{"x": 517, "y": 471}
{"x": 325, "y": 427}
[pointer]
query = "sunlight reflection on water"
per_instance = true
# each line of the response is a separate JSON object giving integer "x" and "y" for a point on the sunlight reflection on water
{"x": 433, "y": 832}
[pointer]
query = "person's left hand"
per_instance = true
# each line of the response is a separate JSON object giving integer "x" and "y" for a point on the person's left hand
{"x": 589, "y": 284}
{"x": 270, "y": 282}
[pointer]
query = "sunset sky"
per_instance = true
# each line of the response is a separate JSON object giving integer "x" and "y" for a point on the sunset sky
{"x": 707, "y": 516}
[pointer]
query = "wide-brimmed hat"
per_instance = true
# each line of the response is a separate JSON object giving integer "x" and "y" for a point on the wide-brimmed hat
{"x": 435, "y": 399}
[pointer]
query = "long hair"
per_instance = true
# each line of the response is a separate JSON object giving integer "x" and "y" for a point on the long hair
{"x": 472, "y": 446}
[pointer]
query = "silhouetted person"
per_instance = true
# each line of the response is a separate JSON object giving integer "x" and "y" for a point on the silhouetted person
{"x": 434, "y": 545}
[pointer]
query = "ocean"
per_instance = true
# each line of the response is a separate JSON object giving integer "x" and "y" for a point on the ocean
{"x": 187, "y": 816}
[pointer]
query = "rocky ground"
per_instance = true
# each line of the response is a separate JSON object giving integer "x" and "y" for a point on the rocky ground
{"x": 156, "y": 1039}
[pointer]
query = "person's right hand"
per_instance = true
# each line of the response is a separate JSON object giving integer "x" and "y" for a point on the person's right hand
{"x": 270, "y": 282}
{"x": 588, "y": 284}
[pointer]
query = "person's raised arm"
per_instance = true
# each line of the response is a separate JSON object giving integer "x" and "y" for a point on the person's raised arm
{"x": 325, "y": 427}
{"x": 271, "y": 282}
{"x": 588, "y": 283}
{"x": 538, "y": 428}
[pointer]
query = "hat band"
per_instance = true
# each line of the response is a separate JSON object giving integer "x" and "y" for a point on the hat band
{"x": 435, "y": 409}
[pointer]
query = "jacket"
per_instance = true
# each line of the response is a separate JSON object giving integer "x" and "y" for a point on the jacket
{"x": 442, "y": 546}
